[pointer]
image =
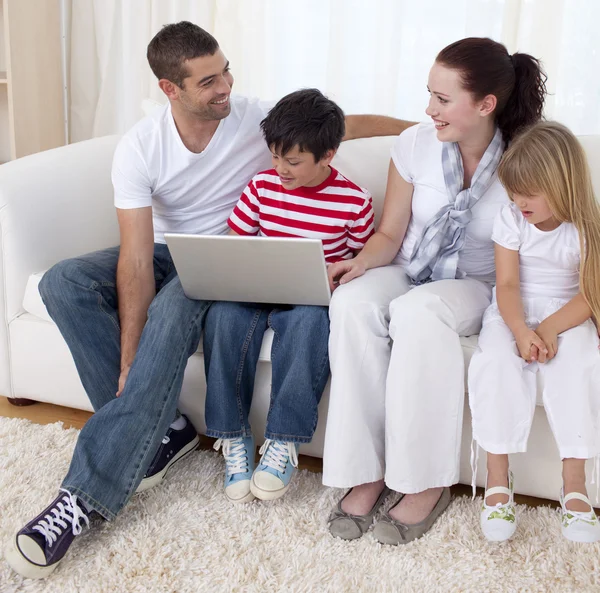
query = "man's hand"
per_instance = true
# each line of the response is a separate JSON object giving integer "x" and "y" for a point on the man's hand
{"x": 547, "y": 332}
{"x": 122, "y": 379}
{"x": 531, "y": 346}
{"x": 342, "y": 272}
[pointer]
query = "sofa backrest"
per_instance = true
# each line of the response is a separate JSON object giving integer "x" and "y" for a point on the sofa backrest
{"x": 366, "y": 162}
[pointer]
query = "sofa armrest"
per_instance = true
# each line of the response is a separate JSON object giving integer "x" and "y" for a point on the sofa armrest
{"x": 53, "y": 205}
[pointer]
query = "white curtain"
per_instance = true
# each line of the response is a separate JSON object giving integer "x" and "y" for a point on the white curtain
{"x": 372, "y": 56}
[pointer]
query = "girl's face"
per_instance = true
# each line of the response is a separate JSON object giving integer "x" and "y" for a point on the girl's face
{"x": 535, "y": 210}
{"x": 456, "y": 115}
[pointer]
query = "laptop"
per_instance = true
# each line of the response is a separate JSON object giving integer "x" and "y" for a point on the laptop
{"x": 251, "y": 269}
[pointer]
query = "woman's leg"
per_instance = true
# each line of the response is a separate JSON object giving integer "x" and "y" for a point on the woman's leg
{"x": 359, "y": 352}
{"x": 425, "y": 390}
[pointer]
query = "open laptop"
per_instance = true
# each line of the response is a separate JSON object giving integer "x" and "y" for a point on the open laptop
{"x": 251, "y": 269}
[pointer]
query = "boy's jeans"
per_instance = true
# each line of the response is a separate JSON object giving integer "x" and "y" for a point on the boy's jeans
{"x": 300, "y": 368}
{"x": 118, "y": 442}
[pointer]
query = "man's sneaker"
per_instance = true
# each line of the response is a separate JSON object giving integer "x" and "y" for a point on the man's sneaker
{"x": 577, "y": 526}
{"x": 239, "y": 464}
{"x": 175, "y": 445}
{"x": 37, "y": 549}
{"x": 272, "y": 475}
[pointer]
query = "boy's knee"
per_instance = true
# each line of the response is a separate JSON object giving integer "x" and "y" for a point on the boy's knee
{"x": 54, "y": 278}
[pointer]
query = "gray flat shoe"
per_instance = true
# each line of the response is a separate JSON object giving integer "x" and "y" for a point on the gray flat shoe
{"x": 390, "y": 531}
{"x": 346, "y": 526}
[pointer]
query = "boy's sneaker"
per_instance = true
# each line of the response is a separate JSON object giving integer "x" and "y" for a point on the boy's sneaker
{"x": 175, "y": 445}
{"x": 37, "y": 549}
{"x": 578, "y": 526}
{"x": 272, "y": 475}
{"x": 499, "y": 522}
{"x": 239, "y": 464}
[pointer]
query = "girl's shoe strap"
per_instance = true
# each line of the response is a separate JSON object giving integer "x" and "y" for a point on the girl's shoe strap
{"x": 498, "y": 490}
{"x": 575, "y": 495}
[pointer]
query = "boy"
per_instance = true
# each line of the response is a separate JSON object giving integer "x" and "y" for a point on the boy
{"x": 302, "y": 196}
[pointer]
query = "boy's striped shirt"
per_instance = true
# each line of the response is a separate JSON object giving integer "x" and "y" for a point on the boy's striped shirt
{"x": 337, "y": 211}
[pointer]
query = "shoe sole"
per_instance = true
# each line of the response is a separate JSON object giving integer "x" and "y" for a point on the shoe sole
{"x": 248, "y": 498}
{"x": 21, "y": 565}
{"x": 156, "y": 479}
{"x": 267, "y": 494}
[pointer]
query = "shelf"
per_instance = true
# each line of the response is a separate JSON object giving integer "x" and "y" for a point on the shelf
{"x": 3, "y": 79}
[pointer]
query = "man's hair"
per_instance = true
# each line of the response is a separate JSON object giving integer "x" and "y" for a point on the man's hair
{"x": 173, "y": 45}
{"x": 305, "y": 118}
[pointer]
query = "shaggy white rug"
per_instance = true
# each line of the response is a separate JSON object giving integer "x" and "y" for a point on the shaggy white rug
{"x": 184, "y": 536}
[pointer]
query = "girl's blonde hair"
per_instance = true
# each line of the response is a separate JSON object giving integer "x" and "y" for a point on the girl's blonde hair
{"x": 547, "y": 159}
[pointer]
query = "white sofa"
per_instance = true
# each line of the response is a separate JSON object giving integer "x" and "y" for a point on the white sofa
{"x": 58, "y": 204}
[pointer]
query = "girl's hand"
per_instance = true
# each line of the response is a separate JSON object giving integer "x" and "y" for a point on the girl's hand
{"x": 549, "y": 335}
{"x": 531, "y": 346}
{"x": 342, "y": 272}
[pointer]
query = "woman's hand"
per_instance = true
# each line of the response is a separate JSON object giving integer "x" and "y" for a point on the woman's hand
{"x": 343, "y": 271}
{"x": 531, "y": 346}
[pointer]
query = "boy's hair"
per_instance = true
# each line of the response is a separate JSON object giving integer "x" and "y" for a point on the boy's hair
{"x": 173, "y": 45}
{"x": 548, "y": 159}
{"x": 305, "y": 118}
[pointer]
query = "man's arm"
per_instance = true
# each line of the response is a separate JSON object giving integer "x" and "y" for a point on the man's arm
{"x": 369, "y": 126}
{"x": 135, "y": 281}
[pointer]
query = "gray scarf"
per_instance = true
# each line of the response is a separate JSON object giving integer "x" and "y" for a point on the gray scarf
{"x": 435, "y": 256}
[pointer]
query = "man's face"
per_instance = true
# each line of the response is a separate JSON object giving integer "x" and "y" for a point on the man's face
{"x": 206, "y": 89}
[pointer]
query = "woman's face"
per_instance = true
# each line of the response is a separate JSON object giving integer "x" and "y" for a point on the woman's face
{"x": 456, "y": 115}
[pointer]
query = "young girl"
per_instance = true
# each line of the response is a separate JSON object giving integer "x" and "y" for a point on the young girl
{"x": 547, "y": 293}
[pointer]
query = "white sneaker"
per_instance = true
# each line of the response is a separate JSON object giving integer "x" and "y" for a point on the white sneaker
{"x": 578, "y": 526}
{"x": 499, "y": 522}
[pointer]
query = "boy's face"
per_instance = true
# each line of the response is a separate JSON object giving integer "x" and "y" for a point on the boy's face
{"x": 299, "y": 169}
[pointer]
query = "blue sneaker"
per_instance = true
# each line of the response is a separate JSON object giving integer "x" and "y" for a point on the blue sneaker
{"x": 239, "y": 464}
{"x": 272, "y": 475}
{"x": 175, "y": 445}
{"x": 37, "y": 549}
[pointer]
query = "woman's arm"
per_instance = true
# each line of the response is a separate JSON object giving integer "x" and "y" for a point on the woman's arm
{"x": 383, "y": 246}
{"x": 508, "y": 297}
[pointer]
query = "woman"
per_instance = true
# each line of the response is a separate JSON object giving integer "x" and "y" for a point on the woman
{"x": 422, "y": 281}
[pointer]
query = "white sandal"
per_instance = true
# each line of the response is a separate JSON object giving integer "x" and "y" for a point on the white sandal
{"x": 499, "y": 522}
{"x": 578, "y": 526}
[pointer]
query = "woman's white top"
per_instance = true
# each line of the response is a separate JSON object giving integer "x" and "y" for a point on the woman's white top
{"x": 548, "y": 260}
{"x": 417, "y": 155}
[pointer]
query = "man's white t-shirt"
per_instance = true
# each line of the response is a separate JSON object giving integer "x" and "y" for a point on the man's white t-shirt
{"x": 417, "y": 155}
{"x": 189, "y": 192}
{"x": 548, "y": 260}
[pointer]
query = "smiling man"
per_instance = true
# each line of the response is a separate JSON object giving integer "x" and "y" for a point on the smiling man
{"x": 122, "y": 311}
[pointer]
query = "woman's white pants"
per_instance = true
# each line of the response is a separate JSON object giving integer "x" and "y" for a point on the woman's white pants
{"x": 502, "y": 387}
{"x": 397, "y": 387}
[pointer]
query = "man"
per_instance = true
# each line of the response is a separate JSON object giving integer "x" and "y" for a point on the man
{"x": 122, "y": 311}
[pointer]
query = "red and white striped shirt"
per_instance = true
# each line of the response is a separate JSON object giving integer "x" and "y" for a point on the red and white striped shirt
{"x": 337, "y": 211}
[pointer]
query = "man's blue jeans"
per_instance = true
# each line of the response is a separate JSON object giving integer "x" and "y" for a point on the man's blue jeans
{"x": 118, "y": 442}
{"x": 299, "y": 360}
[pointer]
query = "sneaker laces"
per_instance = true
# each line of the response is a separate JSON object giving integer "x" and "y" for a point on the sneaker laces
{"x": 235, "y": 453}
{"x": 275, "y": 454}
{"x": 63, "y": 513}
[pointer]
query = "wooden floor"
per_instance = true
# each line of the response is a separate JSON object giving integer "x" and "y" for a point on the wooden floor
{"x": 41, "y": 413}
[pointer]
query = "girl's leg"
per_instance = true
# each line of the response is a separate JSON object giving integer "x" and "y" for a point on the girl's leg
{"x": 502, "y": 397}
{"x": 572, "y": 402}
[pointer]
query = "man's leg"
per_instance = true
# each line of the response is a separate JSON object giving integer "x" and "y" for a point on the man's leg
{"x": 81, "y": 297}
{"x": 118, "y": 442}
{"x": 300, "y": 366}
